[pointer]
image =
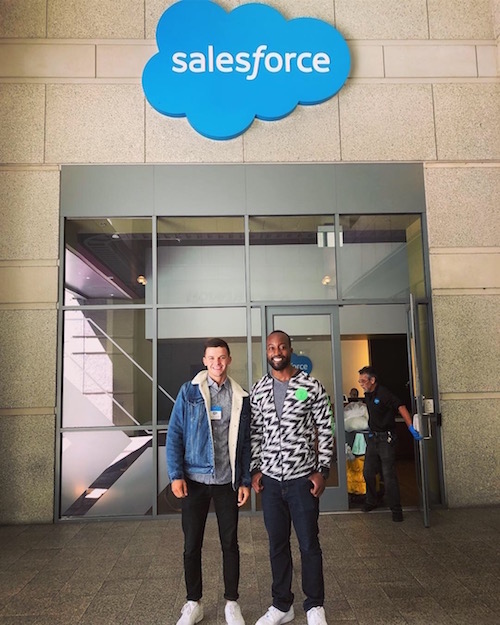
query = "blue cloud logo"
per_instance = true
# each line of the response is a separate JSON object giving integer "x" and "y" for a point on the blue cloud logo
{"x": 222, "y": 70}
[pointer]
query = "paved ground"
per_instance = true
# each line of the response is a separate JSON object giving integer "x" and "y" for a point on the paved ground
{"x": 377, "y": 572}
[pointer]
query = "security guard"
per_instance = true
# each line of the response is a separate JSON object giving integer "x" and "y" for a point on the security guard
{"x": 383, "y": 406}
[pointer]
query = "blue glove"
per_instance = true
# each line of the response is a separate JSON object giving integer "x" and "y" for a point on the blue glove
{"x": 415, "y": 434}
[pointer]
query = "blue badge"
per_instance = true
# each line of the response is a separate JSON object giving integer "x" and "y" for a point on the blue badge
{"x": 222, "y": 70}
{"x": 376, "y": 400}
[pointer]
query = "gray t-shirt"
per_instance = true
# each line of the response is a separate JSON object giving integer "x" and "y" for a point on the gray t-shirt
{"x": 280, "y": 388}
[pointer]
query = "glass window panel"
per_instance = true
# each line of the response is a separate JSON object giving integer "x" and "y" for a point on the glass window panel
{"x": 381, "y": 256}
{"x": 304, "y": 247}
{"x": 106, "y": 473}
{"x": 181, "y": 336}
{"x": 107, "y": 369}
{"x": 201, "y": 260}
{"x": 106, "y": 261}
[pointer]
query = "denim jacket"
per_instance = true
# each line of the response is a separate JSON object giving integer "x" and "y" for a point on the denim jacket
{"x": 190, "y": 447}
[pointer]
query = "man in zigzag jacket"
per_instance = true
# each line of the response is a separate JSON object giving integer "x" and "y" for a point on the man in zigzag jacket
{"x": 208, "y": 459}
{"x": 292, "y": 448}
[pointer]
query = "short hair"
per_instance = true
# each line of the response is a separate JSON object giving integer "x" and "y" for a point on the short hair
{"x": 354, "y": 392}
{"x": 369, "y": 371}
{"x": 284, "y": 334}
{"x": 216, "y": 342}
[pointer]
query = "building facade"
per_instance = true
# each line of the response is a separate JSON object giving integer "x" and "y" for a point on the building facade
{"x": 423, "y": 94}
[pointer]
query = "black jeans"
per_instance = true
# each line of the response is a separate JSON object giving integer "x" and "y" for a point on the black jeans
{"x": 381, "y": 452}
{"x": 194, "y": 516}
{"x": 282, "y": 503}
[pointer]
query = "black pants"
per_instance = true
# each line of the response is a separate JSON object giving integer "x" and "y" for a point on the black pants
{"x": 195, "y": 509}
{"x": 381, "y": 453}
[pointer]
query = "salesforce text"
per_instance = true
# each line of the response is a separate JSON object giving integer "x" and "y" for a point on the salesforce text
{"x": 243, "y": 62}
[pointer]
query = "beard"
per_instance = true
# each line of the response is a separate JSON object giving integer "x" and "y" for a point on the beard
{"x": 281, "y": 365}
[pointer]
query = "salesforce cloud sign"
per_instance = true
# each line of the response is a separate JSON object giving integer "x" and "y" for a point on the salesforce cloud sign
{"x": 221, "y": 70}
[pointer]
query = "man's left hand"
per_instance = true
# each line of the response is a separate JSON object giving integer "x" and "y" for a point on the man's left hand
{"x": 318, "y": 484}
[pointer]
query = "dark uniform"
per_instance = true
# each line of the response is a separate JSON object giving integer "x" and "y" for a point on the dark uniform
{"x": 382, "y": 408}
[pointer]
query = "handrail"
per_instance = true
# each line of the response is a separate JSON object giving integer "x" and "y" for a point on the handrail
{"x": 107, "y": 393}
{"x": 91, "y": 321}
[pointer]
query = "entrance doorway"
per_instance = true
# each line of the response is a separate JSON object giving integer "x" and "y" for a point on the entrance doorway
{"x": 334, "y": 342}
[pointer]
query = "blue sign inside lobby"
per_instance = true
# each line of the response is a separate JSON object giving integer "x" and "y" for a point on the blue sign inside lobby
{"x": 222, "y": 70}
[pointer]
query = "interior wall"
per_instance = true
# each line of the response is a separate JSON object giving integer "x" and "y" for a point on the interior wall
{"x": 355, "y": 355}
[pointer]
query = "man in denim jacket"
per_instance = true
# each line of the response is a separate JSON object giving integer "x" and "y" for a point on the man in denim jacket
{"x": 208, "y": 459}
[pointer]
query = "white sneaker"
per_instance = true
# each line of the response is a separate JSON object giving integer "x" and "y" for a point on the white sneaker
{"x": 191, "y": 613}
{"x": 233, "y": 614}
{"x": 316, "y": 616}
{"x": 276, "y": 617}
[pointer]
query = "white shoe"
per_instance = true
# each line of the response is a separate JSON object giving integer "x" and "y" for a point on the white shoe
{"x": 316, "y": 616}
{"x": 191, "y": 613}
{"x": 276, "y": 617}
{"x": 233, "y": 614}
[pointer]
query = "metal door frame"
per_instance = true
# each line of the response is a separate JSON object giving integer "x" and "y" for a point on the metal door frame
{"x": 335, "y": 498}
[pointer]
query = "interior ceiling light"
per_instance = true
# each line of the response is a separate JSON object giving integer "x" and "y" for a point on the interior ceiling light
{"x": 115, "y": 236}
{"x": 326, "y": 280}
{"x": 142, "y": 280}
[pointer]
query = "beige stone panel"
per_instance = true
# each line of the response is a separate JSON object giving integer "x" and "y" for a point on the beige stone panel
{"x": 465, "y": 271}
{"x": 421, "y": 61}
{"x": 95, "y": 124}
{"x": 391, "y": 122}
{"x": 95, "y": 19}
{"x": 28, "y": 365}
{"x": 496, "y": 17}
{"x": 462, "y": 206}
{"x": 382, "y": 19}
{"x": 30, "y": 284}
{"x": 487, "y": 61}
{"x": 467, "y": 343}
{"x": 460, "y": 19}
{"x": 471, "y": 451}
{"x": 47, "y": 60}
{"x": 367, "y": 61}
{"x": 309, "y": 134}
{"x": 172, "y": 140}
{"x": 467, "y": 121}
{"x": 23, "y": 18}
{"x": 156, "y": 8}
{"x": 319, "y": 9}
{"x": 27, "y": 469}
{"x": 22, "y": 110}
{"x": 123, "y": 61}
{"x": 29, "y": 214}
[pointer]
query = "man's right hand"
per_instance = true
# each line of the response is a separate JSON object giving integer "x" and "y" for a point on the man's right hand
{"x": 257, "y": 482}
{"x": 180, "y": 488}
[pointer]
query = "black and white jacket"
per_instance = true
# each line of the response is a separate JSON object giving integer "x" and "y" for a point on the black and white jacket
{"x": 299, "y": 443}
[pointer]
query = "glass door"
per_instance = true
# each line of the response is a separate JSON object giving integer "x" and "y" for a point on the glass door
{"x": 425, "y": 407}
{"x": 314, "y": 331}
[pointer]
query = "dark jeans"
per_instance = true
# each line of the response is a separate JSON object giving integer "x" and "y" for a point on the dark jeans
{"x": 194, "y": 516}
{"x": 283, "y": 503}
{"x": 381, "y": 453}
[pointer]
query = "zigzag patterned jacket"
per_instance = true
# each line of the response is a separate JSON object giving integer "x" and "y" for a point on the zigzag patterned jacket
{"x": 301, "y": 441}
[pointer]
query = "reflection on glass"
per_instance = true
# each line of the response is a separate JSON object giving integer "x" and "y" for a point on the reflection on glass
{"x": 201, "y": 260}
{"x": 107, "y": 369}
{"x": 106, "y": 261}
{"x": 304, "y": 248}
{"x": 381, "y": 256}
{"x": 181, "y": 336}
{"x": 106, "y": 473}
